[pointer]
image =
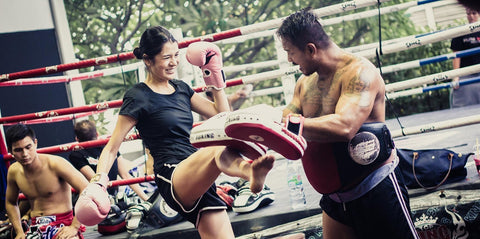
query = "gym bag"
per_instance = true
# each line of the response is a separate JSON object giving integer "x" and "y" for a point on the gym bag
{"x": 431, "y": 168}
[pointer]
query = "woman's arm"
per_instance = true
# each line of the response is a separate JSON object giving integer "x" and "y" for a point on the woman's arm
{"x": 205, "y": 107}
{"x": 109, "y": 152}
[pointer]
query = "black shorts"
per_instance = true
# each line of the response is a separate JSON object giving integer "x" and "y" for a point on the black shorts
{"x": 209, "y": 200}
{"x": 383, "y": 212}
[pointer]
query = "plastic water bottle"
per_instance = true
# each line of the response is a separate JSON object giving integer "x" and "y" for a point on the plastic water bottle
{"x": 476, "y": 156}
{"x": 295, "y": 184}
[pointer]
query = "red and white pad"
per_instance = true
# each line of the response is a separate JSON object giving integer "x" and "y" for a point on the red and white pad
{"x": 212, "y": 133}
{"x": 262, "y": 124}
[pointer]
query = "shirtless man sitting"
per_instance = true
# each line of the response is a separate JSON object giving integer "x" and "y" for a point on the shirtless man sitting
{"x": 45, "y": 180}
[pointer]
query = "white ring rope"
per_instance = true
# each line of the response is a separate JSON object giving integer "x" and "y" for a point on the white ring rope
{"x": 464, "y": 71}
{"x": 393, "y": 87}
{"x": 421, "y": 90}
{"x": 269, "y": 75}
{"x": 423, "y": 80}
{"x": 414, "y": 41}
{"x": 321, "y": 12}
{"x": 373, "y": 45}
{"x": 337, "y": 20}
{"x": 447, "y": 124}
{"x": 430, "y": 60}
{"x": 371, "y": 13}
{"x": 268, "y": 91}
{"x": 251, "y": 66}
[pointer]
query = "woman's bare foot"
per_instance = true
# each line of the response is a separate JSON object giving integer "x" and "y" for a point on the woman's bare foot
{"x": 260, "y": 169}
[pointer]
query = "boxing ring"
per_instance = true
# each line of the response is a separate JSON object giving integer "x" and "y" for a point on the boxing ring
{"x": 457, "y": 126}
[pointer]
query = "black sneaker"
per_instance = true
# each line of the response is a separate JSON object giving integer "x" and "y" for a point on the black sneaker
{"x": 246, "y": 201}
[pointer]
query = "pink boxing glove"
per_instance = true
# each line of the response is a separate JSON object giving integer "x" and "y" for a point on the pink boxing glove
{"x": 93, "y": 204}
{"x": 208, "y": 57}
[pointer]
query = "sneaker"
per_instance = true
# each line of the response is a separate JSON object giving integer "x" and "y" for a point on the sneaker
{"x": 246, "y": 201}
{"x": 135, "y": 214}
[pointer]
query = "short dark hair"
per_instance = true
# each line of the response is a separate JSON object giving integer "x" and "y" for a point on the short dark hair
{"x": 467, "y": 9}
{"x": 475, "y": 5}
{"x": 303, "y": 27}
{"x": 85, "y": 130}
{"x": 152, "y": 41}
{"x": 18, "y": 132}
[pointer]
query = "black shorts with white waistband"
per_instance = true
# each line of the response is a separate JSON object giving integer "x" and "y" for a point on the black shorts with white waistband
{"x": 383, "y": 212}
{"x": 208, "y": 201}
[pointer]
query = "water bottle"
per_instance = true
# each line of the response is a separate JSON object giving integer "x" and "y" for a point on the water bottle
{"x": 295, "y": 184}
{"x": 476, "y": 156}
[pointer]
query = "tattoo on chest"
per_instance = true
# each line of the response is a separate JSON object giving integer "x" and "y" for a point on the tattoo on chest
{"x": 312, "y": 95}
{"x": 315, "y": 96}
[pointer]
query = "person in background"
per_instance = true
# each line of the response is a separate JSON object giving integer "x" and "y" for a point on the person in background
{"x": 85, "y": 160}
{"x": 475, "y": 5}
{"x": 466, "y": 94}
{"x": 46, "y": 181}
{"x": 235, "y": 100}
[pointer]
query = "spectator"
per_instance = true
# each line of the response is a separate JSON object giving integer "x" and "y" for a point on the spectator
{"x": 236, "y": 99}
{"x": 470, "y": 4}
{"x": 466, "y": 94}
{"x": 85, "y": 160}
{"x": 45, "y": 180}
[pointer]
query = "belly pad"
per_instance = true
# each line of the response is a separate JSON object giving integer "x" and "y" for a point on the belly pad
{"x": 333, "y": 167}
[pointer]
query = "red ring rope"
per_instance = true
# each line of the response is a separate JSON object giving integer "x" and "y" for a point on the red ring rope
{"x": 56, "y": 119}
{"x": 63, "y": 111}
{"x": 106, "y": 59}
{"x": 68, "y": 66}
{"x": 75, "y": 146}
{"x": 86, "y": 108}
